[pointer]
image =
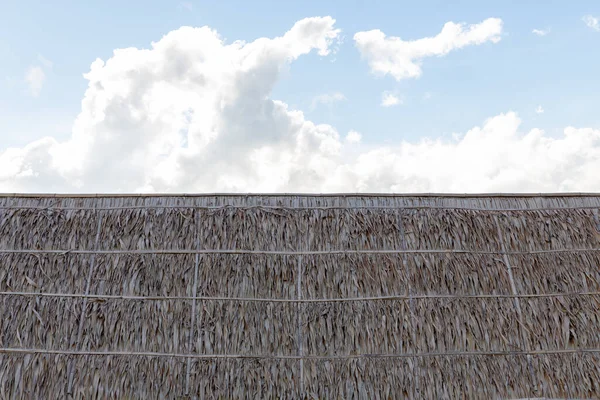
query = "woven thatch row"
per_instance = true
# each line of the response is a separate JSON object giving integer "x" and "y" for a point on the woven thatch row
{"x": 227, "y": 327}
{"x": 557, "y": 273}
{"x": 260, "y": 229}
{"x": 275, "y": 276}
{"x": 249, "y": 229}
{"x": 409, "y": 326}
{"x": 458, "y": 274}
{"x": 386, "y": 327}
{"x": 485, "y": 377}
{"x": 226, "y": 275}
{"x": 53, "y": 273}
{"x": 248, "y": 275}
{"x": 542, "y": 230}
{"x": 450, "y": 229}
{"x": 44, "y": 323}
{"x": 246, "y": 328}
{"x": 45, "y": 377}
{"x": 562, "y": 322}
{"x": 148, "y": 229}
{"x": 47, "y": 323}
{"x": 143, "y": 275}
{"x": 48, "y": 229}
{"x": 300, "y": 230}
{"x": 455, "y": 377}
{"x": 323, "y": 276}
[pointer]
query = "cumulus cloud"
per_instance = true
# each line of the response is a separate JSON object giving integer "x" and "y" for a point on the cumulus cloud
{"x": 402, "y": 59}
{"x": 35, "y": 78}
{"x": 190, "y": 112}
{"x": 194, "y": 114}
{"x": 592, "y": 22}
{"x": 495, "y": 157}
{"x": 327, "y": 99}
{"x": 389, "y": 99}
{"x": 541, "y": 32}
{"x": 539, "y": 110}
{"x": 353, "y": 137}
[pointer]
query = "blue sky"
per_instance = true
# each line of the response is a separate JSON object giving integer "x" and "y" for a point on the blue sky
{"x": 456, "y": 91}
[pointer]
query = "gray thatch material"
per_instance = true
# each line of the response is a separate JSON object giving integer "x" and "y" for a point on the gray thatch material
{"x": 332, "y": 296}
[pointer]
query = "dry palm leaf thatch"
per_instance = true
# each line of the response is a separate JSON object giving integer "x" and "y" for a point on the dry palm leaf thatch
{"x": 300, "y": 296}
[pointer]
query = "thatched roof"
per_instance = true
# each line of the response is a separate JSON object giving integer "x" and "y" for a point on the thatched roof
{"x": 337, "y": 296}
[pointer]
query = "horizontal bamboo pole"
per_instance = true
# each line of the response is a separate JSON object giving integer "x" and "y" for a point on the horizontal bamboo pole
{"x": 296, "y": 253}
{"x": 5, "y": 350}
{"x": 426, "y": 195}
{"x": 303, "y": 300}
{"x": 269, "y": 207}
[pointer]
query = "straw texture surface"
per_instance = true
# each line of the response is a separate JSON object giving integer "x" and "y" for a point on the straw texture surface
{"x": 300, "y": 296}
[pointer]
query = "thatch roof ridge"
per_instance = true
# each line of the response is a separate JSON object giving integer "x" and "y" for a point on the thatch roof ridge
{"x": 292, "y": 194}
{"x": 303, "y": 201}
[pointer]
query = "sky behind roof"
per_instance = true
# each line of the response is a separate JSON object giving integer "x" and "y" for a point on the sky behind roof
{"x": 354, "y": 96}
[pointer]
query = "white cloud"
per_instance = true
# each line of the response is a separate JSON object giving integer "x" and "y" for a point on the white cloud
{"x": 541, "y": 32}
{"x": 353, "y": 137}
{"x": 495, "y": 157}
{"x": 539, "y": 110}
{"x": 170, "y": 117}
{"x": 35, "y": 78}
{"x": 193, "y": 114}
{"x": 402, "y": 59}
{"x": 327, "y": 99}
{"x": 592, "y": 22}
{"x": 389, "y": 99}
{"x": 45, "y": 62}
